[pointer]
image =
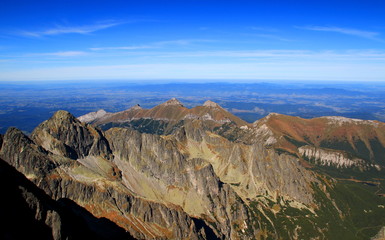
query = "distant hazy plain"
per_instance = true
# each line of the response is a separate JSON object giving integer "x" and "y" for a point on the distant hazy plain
{"x": 25, "y": 105}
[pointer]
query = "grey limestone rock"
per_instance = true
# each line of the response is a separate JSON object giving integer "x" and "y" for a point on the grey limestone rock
{"x": 64, "y": 134}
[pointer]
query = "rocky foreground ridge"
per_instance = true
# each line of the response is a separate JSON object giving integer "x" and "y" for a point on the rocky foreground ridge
{"x": 202, "y": 173}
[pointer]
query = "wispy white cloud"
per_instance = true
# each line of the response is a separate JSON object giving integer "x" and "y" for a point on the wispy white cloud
{"x": 66, "y": 54}
{"x": 121, "y": 48}
{"x": 58, "y": 54}
{"x": 59, "y": 29}
{"x": 181, "y": 42}
{"x": 350, "y": 55}
{"x": 160, "y": 44}
{"x": 269, "y": 55}
{"x": 348, "y": 31}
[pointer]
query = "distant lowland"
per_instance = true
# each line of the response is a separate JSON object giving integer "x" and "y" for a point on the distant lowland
{"x": 25, "y": 104}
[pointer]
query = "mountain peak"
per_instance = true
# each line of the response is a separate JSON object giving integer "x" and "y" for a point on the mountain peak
{"x": 101, "y": 112}
{"x": 136, "y": 107}
{"x": 267, "y": 118}
{"x": 63, "y": 115}
{"x": 272, "y": 114}
{"x": 172, "y": 102}
{"x": 210, "y": 103}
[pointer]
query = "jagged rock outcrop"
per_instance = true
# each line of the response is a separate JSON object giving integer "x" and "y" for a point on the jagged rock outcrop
{"x": 27, "y": 157}
{"x": 142, "y": 219}
{"x": 329, "y": 158}
{"x": 154, "y": 168}
{"x": 63, "y": 134}
{"x": 253, "y": 169}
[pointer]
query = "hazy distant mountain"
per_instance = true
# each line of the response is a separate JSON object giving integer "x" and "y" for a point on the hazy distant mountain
{"x": 171, "y": 172}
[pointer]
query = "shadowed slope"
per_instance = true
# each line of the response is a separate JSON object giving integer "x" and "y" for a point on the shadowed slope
{"x": 27, "y": 212}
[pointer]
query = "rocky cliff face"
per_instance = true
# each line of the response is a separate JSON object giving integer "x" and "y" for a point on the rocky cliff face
{"x": 155, "y": 168}
{"x": 330, "y": 158}
{"x": 210, "y": 178}
{"x": 28, "y": 212}
{"x": 22, "y": 153}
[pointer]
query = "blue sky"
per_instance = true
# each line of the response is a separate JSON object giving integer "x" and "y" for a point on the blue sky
{"x": 192, "y": 40}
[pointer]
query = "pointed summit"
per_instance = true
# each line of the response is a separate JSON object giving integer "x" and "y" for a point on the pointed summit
{"x": 172, "y": 102}
{"x": 212, "y": 104}
{"x": 65, "y": 135}
{"x": 63, "y": 116}
{"x": 136, "y": 107}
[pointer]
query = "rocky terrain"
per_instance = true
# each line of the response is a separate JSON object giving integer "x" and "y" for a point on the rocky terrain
{"x": 172, "y": 172}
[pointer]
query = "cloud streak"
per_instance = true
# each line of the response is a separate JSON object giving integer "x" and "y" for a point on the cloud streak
{"x": 121, "y": 48}
{"x": 351, "y": 55}
{"x": 346, "y": 31}
{"x": 251, "y": 71}
{"x": 66, "y": 54}
{"x": 85, "y": 29}
{"x": 271, "y": 55}
{"x": 356, "y": 65}
{"x": 160, "y": 44}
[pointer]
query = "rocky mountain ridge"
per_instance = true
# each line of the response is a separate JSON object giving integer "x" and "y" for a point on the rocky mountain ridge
{"x": 344, "y": 142}
{"x": 166, "y": 117}
{"x": 206, "y": 178}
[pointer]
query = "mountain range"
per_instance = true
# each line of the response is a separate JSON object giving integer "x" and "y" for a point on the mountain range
{"x": 172, "y": 172}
